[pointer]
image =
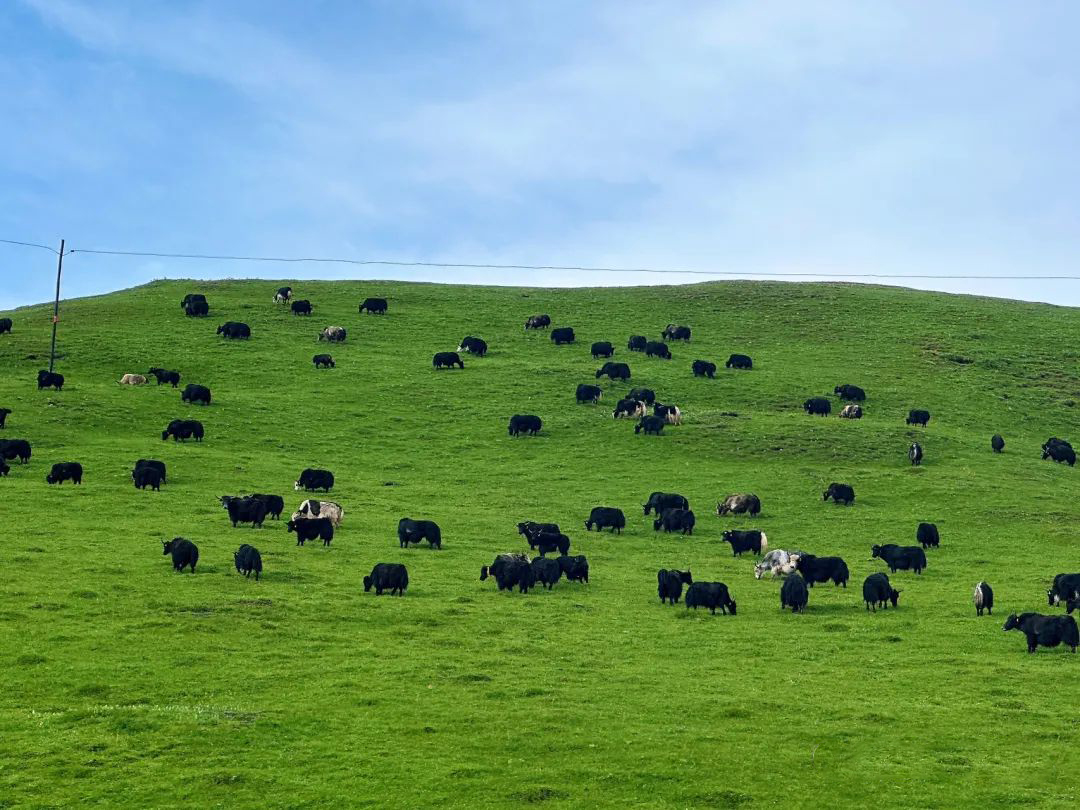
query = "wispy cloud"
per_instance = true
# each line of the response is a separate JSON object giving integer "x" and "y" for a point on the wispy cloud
{"x": 739, "y": 136}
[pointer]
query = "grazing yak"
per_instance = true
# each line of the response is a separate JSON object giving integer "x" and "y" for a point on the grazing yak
{"x": 741, "y": 361}
{"x": 301, "y": 307}
{"x": 997, "y": 444}
{"x": 589, "y": 393}
{"x": 473, "y": 345}
{"x": 840, "y": 493}
{"x": 659, "y": 501}
{"x": 656, "y": 348}
{"x": 549, "y": 543}
{"x": 313, "y": 479}
{"x": 49, "y": 379}
{"x": 537, "y": 322}
{"x": 703, "y": 368}
{"x": 144, "y": 477}
{"x": 247, "y": 559}
{"x": 501, "y": 561}
{"x": 1064, "y": 588}
{"x": 851, "y": 412}
{"x": 646, "y": 395}
{"x": 562, "y": 335}
{"x": 195, "y": 394}
{"x": 510, "y": 570}
{"x": 675, "y": 520}
{"x": 822, "y": 569}
{"x": 614, "y": 371}
{"x": 333, "y": 334}
{"x": 794, "y": 594}
{"x": 983, "y": 597}
{"x": 777, "y": 563}
{"x": 323, "y": 361}
{"x": 900, "y": 558}
{"x": 546, "y": 571}
{"x": 275, "y": 505}
{"x": 197, "y": 309}
{"x": 917, "y": 417}
{"x": 877, "y": 592}
{"x": 674, "y": 332}
{"x": 739, "y": 503}
{"x": 311, "y": 508}
{"x": 530, "y": 530}
{"x": 669, "y": 413}
{"x": 915, "y": 454}
{"x": 746, "y": 540}
{"x": 602, "y": 349}
{"x": 413, "y": 531}
{"x": 373, "y": 306}
{"x": 133, "y": 379}
{"x": 1045, "y": 631}
{"x": 628, "y": 409}
{"x": 150, "y": 463}
{"x": 650, "y": 424}
{"x": 183, "y": 429}
{"x": 575, "y": 569}
{"x": 515, "y": 572}
{"x": 234, "y": 330}
{"x": 711, "y": 595}
{"x": 166, "y": 376}
{"x": 927, "y": 535}
{"x": 244, "y": 509}
{"x": 184, "y": 553}
{"x": 65, "y": 471}
{"x": 283, "y": 295}
{"x": 392, "y": 577}
{"x": 192, "y": 298}
{"x": 525, "y": 423}
{"x": 850, "y": 392}
{"x": 311, "y": 529}
{"x": 15, "y": 448}
{"x": 669, "y": 584}
{"x": 447, "y": 360}
{"x": 637, "y": 343}
{"x": 4, "y": 415}
{"x": 606, "y": 517}
{"x": 1059, "y": 450}
{"x": 818, "y": 405}
{"x": 5, "y": 325}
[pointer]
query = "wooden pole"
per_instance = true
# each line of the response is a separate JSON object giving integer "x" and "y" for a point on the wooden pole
{"x": 56, "y": 306}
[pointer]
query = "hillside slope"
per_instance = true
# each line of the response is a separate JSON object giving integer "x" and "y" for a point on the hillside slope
{"x": 127, "y": 684}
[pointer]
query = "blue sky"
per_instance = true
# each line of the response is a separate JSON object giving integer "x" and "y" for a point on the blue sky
{"x": 743, "y": 137}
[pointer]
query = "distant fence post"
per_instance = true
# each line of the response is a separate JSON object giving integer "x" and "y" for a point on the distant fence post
{"x": 56, "y": 306}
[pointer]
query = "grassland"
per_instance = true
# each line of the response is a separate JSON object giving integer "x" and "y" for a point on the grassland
{"x": 126, "y": 685}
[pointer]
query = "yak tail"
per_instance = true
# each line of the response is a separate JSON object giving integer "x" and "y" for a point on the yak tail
{"x": 764, "y": 542}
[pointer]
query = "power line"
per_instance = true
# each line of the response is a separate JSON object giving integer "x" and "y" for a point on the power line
{"x": 28, "y": 244}
{"x": 550, "y": 267}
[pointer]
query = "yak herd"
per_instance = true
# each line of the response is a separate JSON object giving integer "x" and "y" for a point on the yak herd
{"x": 798, "y": 570}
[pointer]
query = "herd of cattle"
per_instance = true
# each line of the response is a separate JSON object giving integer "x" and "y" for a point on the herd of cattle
{"x": 798, "y": 570}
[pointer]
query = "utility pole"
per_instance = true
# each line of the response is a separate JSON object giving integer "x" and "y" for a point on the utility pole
{"x": 56, "y": 306}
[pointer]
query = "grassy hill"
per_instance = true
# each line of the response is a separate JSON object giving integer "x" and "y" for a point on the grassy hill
{"x": 125, "y": 684}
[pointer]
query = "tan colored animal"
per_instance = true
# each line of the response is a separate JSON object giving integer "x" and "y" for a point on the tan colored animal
{"x": 133, "y": 379}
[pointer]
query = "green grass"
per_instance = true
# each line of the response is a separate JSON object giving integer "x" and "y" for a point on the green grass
{"x": 125, "y": 684}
